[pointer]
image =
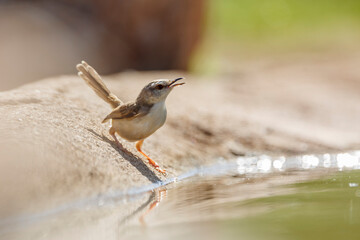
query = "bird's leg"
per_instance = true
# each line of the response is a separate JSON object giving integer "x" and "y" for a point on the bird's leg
{"x": 152, "y": 162}
{"x": 112, "y": 133}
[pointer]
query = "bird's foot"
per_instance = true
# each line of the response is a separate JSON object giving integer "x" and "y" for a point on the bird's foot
{"x": 162, "y": 171}
{"x": 156, "y": 166}
{"x": 152, "y": 162}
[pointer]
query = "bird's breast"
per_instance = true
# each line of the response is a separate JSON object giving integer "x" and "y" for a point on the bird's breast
{"x": 141, "y": 127}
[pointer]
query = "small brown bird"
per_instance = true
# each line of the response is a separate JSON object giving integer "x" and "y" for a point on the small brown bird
{"x": 133, "y": 121}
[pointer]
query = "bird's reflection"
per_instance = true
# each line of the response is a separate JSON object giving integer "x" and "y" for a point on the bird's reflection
{"x": 160, "y": 195}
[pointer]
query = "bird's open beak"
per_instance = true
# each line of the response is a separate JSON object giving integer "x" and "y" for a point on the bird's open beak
{"x": 174, "y": 84}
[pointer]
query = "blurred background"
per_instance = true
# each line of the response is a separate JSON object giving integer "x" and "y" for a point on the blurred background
{"x": 286, "y": 80}
{"x": 43, "y": 38}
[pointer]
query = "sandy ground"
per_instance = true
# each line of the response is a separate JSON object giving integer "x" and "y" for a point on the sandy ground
{"x": 53, "y": 147}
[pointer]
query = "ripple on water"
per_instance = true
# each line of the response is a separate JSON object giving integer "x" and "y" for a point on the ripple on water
{"x": 275, "y": 194}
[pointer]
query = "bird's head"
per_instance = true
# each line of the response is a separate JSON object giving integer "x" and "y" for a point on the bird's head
{"x": 157, "y": 90}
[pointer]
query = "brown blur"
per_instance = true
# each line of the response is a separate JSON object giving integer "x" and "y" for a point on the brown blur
{"x": 45, "y": 38}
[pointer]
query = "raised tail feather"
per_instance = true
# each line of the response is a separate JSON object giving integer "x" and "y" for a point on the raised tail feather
{"x": 93, "y": 79}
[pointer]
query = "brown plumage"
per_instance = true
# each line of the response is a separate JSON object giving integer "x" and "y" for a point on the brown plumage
{"x": 128, "y": 110}
{"x": 133, "y": 121}
{"x": 93, "y": 79}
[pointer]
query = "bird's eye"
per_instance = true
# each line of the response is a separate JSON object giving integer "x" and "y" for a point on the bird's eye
{"x": 159, "y": 87}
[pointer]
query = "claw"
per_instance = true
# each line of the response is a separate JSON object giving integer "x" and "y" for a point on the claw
{"x": 163, "y": 171}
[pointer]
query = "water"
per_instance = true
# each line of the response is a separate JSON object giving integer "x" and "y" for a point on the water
{"x": 327, "y": 208}
{"x": 304, "y": 197}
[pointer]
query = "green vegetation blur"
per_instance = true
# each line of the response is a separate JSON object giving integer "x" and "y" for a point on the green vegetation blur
{"x": 295, "y": 20}
{"x": 239, "y": 29}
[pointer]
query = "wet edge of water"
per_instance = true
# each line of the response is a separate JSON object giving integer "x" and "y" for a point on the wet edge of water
{"x": 260, "y": 165}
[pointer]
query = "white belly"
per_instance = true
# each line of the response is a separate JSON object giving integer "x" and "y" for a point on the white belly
{"x": 141, "y": 127}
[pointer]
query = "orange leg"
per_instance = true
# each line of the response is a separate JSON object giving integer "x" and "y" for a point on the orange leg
{"x": 152, "y": 162}
{"x": 112, "y": 133}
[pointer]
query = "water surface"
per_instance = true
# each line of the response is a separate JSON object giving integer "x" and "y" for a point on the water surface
{"x": 261, "y": 197}
{"x": 228, "y": 208}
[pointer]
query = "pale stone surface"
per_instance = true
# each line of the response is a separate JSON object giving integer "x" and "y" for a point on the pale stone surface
{"x": 54, "y": 148}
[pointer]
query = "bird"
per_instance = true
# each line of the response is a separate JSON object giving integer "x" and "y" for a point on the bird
{"x": 136, "y": 120}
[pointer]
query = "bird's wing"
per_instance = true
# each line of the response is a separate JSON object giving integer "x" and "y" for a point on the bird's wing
{"x": 128, "y": 111}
